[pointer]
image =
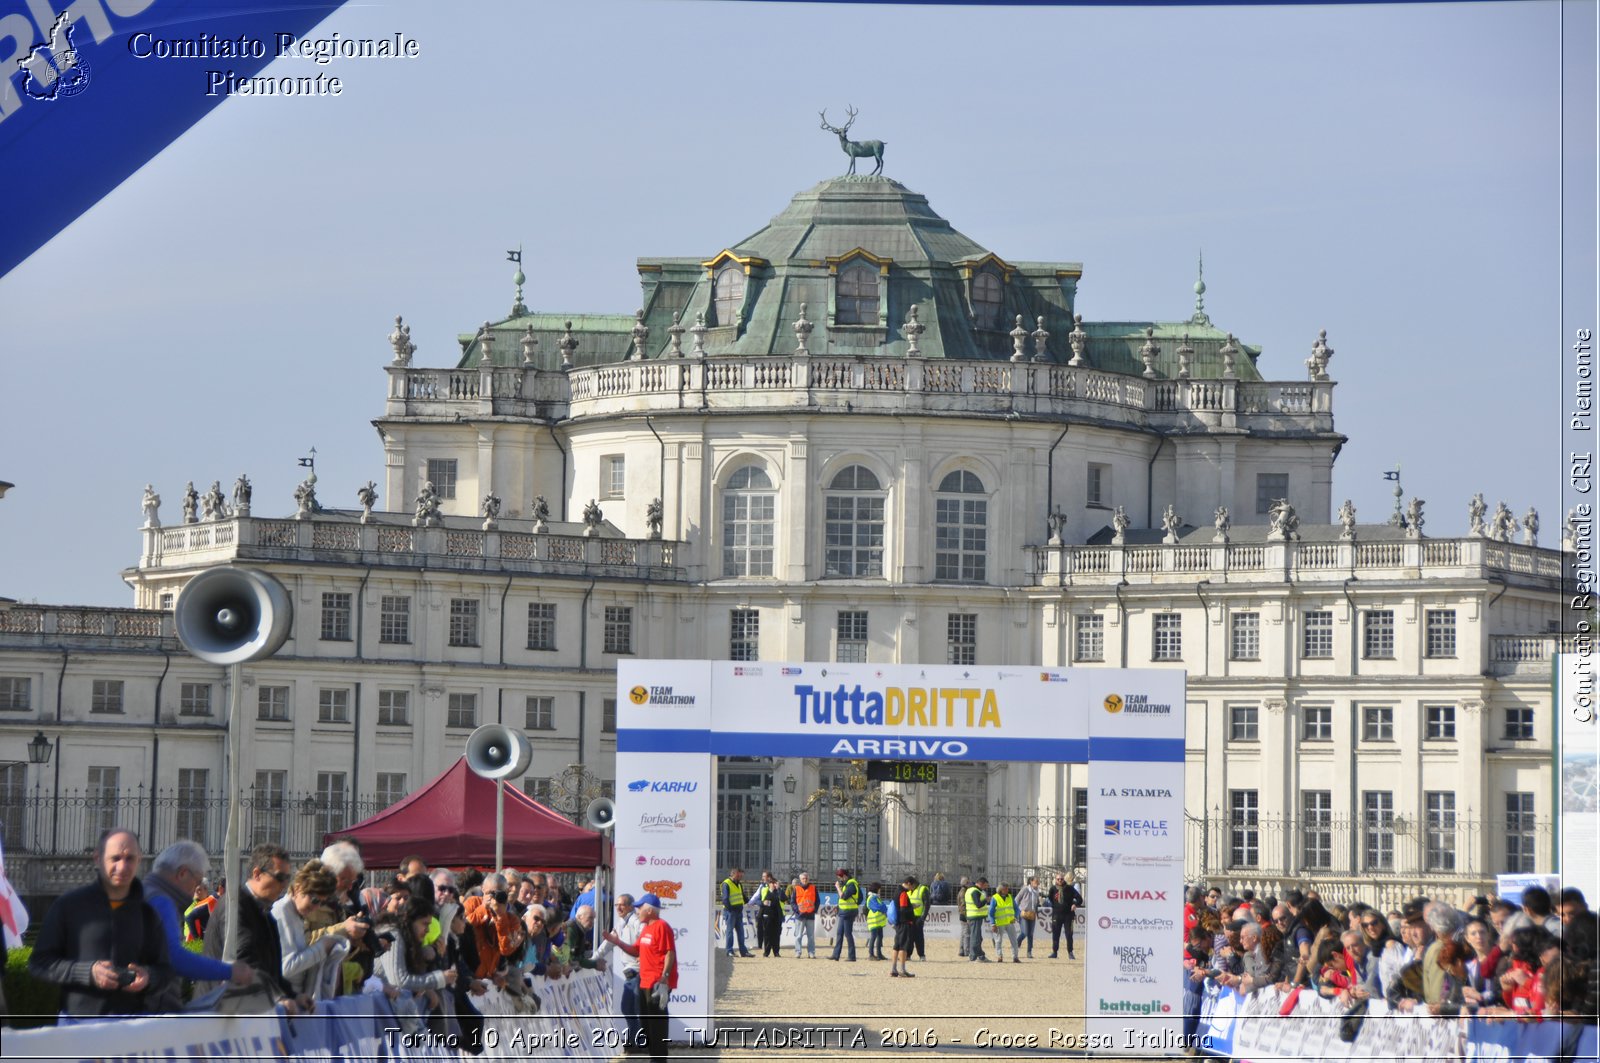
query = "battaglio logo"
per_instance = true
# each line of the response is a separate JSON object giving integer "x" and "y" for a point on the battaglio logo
{"x": 1139, "y": 1007}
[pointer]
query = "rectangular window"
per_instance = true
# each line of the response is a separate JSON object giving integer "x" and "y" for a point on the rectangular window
{"x": 267, "y": 802}
{"x": 538, "y": 789}
{"x": 1441, "y": 632}
{"x": 1519, "y": 833}
{"x": 336, "y": 617}
{"x": 1244, "y": 723}
{"x": 961, "y": 638}
{"x": 14, "y": 817}
{"x": 1316, "y": 723}
{"x": 744, "y": 635}
{"x": 850, "y": 637}
{"x": 1166, "y": 643}
{"x": 1519, "y": 724}
{"x": 1244, "y": 828}
{"x": 394, "y": 708}
{"x": 165, "y": 602}
{"x": 1439, "y": 839}
{"x": 394, "y": 619}
{"x": 613, "y": 476}
{"x": 442, "y": 474}
{"x": 193, "y": 798}
{"x": 391, "y": 788}
{"x": 1244, "y": 636}
{"x": 541, "y": 714}
{"x": 272, "y": 703}
{"x": 1270, "y": 486}
{"x": 1316, "y": 830}
{"x": 1440, "y": 721}
{"x": 1089, "y": 638}
{"x": 16, "y": 693}
{"x": 463, "y": 621}
{"x": 608, "y": 716}
{"x": 102, "y": 800}
{"x": 106, "y": 696}
{"x": 1317, "y": 634}
{"x": 541, "y": 625}
{"x": 1377, "y": 827}
{"x": 1080, "y": 826}
{"x": 330, "y": 803}
{"x": 1377, "y": 723}
{"x": 1377, "y": 634}
{"x": 194, "y": 699}
{"x": 619, "y": 629}
{"x": 333, "y": 705}
{"x": 462, "y": 711}
{"x": 1099, "y": 482}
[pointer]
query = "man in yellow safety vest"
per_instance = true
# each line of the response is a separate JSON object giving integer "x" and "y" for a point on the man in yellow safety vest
{"x": 1003, "y": 916}
{"x": 849, "y": 905}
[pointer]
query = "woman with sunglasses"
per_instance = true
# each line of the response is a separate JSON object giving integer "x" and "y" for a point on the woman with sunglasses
{"x": 1383, "y": 946}
{"x": 311, "y": 967}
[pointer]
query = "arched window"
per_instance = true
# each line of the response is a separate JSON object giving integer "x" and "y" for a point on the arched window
{"x": 853, "y": 524}
{"x": 729, "y": 295}
{"x": 748, "y": 509}
{"x": 856, "y": 301}
{"x": 987, "y": 299}
{"x": 961, "y": 529}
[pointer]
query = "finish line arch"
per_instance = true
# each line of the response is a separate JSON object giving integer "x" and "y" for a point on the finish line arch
{"x": 674, "y": 718}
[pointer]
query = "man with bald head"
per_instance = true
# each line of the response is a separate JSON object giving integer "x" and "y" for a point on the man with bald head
{"x": 102, "y": 943}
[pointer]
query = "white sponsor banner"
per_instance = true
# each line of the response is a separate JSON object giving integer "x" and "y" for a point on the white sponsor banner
{"x": 683, "y": 880}
{"x": 157, "y": 1037}
{"x": 1578, "y": 772}
{"x": 668, "y": 803}
{"x": 664, "y": 695}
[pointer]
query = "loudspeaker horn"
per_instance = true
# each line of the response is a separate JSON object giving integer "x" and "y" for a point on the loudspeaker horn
{"x": 601, "y": 814}
{"x": 497, "y": 752}
{"x": 231, "y": 615}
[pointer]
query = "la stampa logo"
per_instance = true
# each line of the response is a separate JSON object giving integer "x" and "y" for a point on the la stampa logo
{"x": 54, "y": 70}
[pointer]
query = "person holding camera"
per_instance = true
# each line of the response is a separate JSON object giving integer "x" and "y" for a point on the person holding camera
{"x": 102, "y": 943}
{"x": 497, "y": 933}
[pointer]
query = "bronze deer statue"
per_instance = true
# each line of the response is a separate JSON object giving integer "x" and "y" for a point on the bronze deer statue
{"x": 856, "y": 149}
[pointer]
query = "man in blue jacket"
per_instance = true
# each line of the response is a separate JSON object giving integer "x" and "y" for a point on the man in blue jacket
{"x": 168, "y": 888}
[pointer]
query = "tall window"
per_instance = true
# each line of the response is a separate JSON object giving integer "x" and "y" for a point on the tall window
{"x": 1519, "y": 832}
{"x": 729, "y": 295}
{"x": 1089, "y": 638}
{"x": 608, "y": 716}
{"x": 1080, "y": 827}
{"x": 1244, "y": 723}
{"x": 463, "y": 621}
{"x": 1244, "y": 828}
{"x": 853, "y": 524}
{"x": 744, "y": 635}
{"x": 619, "y": 629}
{"x": 541, "y": 625}
{"x": 1519, "y": 724}
{"x": 613, "y": 476}
{"x": 850, "y": 637}
{"x": 961, "y": 537}
{"x": 846, "y": 838}
{"x": 462, "y": 711}
{"x": 744, "y": 813}
{"x": 394, "y": 708}
{"x": 267, "y": 802}
{"x": 1377, "y": 634}
{"x": 1377, "y": 723}
{"x": 330, "y": 803}
{"x": 336, "y": 617}
{"x": 1377, "y": 826}
{"x": 391, "y": 788}
{"x": 541, "y": 713}
{"x": 272, "y": 703}
{"x": 1317, "y": 634}
{"x": 13, "y": 805}
{"x": 1316, "y": 830}
{"x": 1439, "y": 839}
{"x": 194, "y": 699}
{"x": 193, "y": 796}
{"x": 101, "y": 800}
{"x": 1099, "y": 485}
{"x": 1316, "y": 723}
{"x": 1167, "y": 637}
{"x": 333, "y": 705}
{"x": 749, "y": 509}
{"x": 1440, "y": 722}
{"x": 16, "y": 693}
{"x": 961, "y": 636}
{"x": 987, "y": 299}
{"x": 106, "y": 696}
{"x": 442, "y": 474}
{"x": 394, "y": 619}
{"x": 1441, "y": 632}
{"x": 1244, "y": 636}
{"x": 857, "y": 300}
{"x": 956, "y": 835}
{"x": 1270, "y": 486}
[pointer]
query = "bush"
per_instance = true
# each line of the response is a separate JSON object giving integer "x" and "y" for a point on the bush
{"x": 31, "y": 1002}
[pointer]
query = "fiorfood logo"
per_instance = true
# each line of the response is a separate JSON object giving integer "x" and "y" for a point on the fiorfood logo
{"x": 666, "y": 889}
{"x": 663, "y": 822}
{"x": 1113, "y": 703}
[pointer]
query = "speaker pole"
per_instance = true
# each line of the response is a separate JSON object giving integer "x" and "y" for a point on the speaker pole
{"x": 499, "y": 824}
{"x": 231, "y": 861}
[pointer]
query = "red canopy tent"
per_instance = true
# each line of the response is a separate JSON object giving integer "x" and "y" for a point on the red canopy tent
{"x": 450, "y": 823}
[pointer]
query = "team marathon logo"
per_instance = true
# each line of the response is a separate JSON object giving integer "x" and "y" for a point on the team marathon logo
{"x": 1135, "y": 705}
{"x": 1136, "y": 828}
{"x": 1051, "y": 677}
{"x": 643, "y": 695}
{"x": 54, "y": 70}
{"x": 1112, "y": 922}
{"x": 652, "y": 786}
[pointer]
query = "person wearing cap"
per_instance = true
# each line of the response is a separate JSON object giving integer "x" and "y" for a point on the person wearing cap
{"x": 656, "y": 949}
{"x": 849, "y": 905}
{"x": 975, "y": 905}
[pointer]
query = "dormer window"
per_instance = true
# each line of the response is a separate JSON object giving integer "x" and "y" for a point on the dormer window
{"x": 988, "y": 299}
{"x": 857, "y": 301}
{"x": 728, "y": 298}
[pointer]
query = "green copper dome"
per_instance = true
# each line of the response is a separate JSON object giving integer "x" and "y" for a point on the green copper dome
{"x": 874, "y": 213}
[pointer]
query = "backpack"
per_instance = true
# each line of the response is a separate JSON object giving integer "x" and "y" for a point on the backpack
{"x": 893, "y": 909}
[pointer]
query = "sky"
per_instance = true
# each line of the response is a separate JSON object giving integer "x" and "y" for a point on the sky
{"x": 1389, "y": 173}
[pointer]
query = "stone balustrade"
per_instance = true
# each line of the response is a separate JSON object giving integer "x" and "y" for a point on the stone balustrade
{"x": 861, "y": 384}
{"x": 1527, "y": 654}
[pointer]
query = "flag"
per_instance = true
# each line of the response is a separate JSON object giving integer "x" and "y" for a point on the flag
{"x": 13, "y": 913}
{"x": 308, "y": 462}
{"x": 1392, "y": 474}
{"x": 514, "y": 256}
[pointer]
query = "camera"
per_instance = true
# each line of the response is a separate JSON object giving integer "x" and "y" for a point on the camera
{"x": 501, "y": 896}
{"x": 126, "y": 976}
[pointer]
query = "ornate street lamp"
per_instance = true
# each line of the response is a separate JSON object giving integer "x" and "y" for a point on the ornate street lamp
{"x": 39, "y": 749}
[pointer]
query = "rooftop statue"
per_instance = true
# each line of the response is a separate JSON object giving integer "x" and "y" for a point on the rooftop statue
{"x": 856, "y": 149}
{"x": 1530, "y": 527}
{"x": 368, "y": 497}
{"x": 241, "y": 495}
{"x": 1503, "y": 528}
{"x": 653, "y": 516}
{"x": 1347, "y": 517}
{"x": 592, "y": 518}
{"x": 1285, "y": 522}
{"x": 1475, "y": 511}
{"x": 1170, "y": 523}
{"x": 152, "y": 507}
{"x": 427, "y": 513}
{"x": 1119, "y": 526}
{"x": 305, "y": 498}
{"x": 191, "y": 504}
{"x": 212, "y": 502}
{"x": 491, "y": 511}
{"x": 1414, "y": 518}
{"x": 1222, "y": 522}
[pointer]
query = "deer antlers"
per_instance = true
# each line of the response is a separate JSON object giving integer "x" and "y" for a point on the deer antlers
{"x": 851, "y": 111}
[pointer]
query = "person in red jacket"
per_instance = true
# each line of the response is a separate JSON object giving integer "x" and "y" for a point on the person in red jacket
{"x": 656, "y": 948}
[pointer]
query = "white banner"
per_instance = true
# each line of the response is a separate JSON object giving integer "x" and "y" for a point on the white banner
{"x": 1578, "y": 772}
